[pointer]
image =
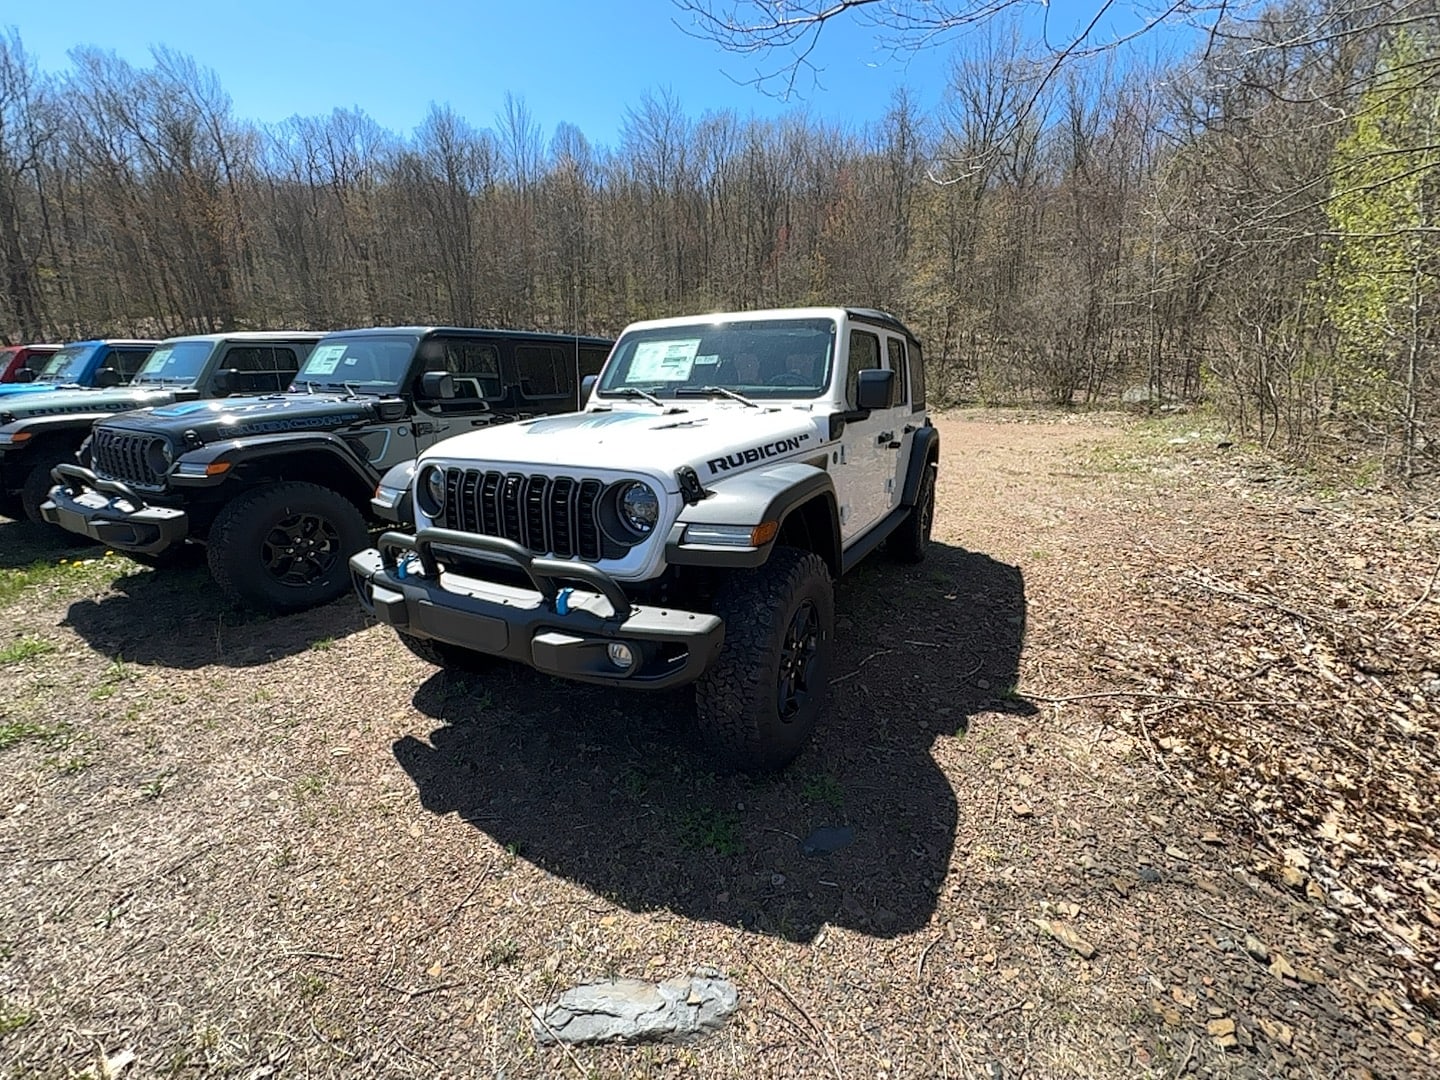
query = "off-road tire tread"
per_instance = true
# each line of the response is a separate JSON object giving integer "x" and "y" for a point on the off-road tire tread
{"x": 907, "y": 544}
{"x": 725, "y": 693}
{"x": 38, "y": 483}
{"x": 234, "y": 580}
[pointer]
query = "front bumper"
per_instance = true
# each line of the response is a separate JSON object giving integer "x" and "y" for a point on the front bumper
{"x": 112, "y": 513}
{"x": 562, "y": 626}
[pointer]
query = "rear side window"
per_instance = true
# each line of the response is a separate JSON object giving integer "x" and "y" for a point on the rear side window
{"x": 917, "y": 378}
{"x": 864, "y": 356}
{"x": 37, "y": 359}
{"x": 896, "y": 350}
{"x": 592, "y": 360}
{"x": 261, "y": 367}
{"x": 546, "y": 371}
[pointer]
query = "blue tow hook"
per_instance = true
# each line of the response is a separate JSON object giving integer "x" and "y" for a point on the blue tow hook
{"x": 562, "y": 601}
{"x": 402, "y": 568}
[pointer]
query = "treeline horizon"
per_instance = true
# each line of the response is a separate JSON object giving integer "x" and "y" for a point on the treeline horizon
{"x": 1255, "y": 226}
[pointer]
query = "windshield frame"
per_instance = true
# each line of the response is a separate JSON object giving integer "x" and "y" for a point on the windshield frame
{"x": 331, "y": 364}
{"x": 743, "y": 356}
{"x": 76, "y": 356}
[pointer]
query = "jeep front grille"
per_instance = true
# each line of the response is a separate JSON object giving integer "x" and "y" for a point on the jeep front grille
{"x": 118, "y": 455}
{"x": 550, "y": 515}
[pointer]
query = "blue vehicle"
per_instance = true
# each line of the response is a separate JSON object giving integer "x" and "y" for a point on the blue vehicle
{"x": 108, "y": 362}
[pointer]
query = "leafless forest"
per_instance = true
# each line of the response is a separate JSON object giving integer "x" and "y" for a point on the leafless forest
{"x": 1254, "y": 223}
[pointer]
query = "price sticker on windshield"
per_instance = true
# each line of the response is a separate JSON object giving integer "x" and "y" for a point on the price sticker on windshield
{"x": 663, "y": 361}
{"x": 324, "y": 360}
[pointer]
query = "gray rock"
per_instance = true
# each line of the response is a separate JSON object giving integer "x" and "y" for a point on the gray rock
{"x": 827, "y": 838}
{"x": 677, "y": 1010}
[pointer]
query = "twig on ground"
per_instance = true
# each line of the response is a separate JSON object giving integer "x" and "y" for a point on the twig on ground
{"x": 1017, "y": 1006}
{"x": 1182, "y": 699}
{"x": 862, "y": 663}
{"x": 1263, "y": 601}
{"x": 550, "y": 1031}
{"x": 924, "y": 644}
{"x": 1189, "y": 1053}
{"x": 448, "y": 919}
{"x": 820, "y": 1036}
{"x": 920, "y": 964}
{"x": 1423, "y": 597}
{"x": 1218, "y": 920}
{"x": 1150, "y": 745}
{"x": 295, "y": 954}
{"x": 420, "y": 991}
{"x": 416, "y": 1054}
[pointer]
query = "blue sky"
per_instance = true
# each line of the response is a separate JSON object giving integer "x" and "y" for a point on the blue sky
{"x": 579, "y": 61}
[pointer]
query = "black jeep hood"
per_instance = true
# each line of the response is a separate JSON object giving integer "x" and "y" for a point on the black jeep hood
{"x": 233, "y": 418}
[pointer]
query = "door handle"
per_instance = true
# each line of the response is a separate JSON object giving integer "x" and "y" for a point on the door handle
{"x": 910, "y": 429}
{"x": 885, "y": 437}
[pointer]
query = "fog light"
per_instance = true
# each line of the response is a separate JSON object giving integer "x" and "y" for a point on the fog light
{"x": 621, "y": 655}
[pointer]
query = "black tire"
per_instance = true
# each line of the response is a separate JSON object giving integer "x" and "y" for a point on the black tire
{"x": 38, "y": 483}
{"x": 444, "y": 655}
{"x": 759, "y": 702}
{"x": 909, "y": 541}
{"x": 11, "y": 506}
{"x": 285, "y": 547}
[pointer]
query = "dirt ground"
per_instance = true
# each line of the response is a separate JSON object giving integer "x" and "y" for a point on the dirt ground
{"x": 1140, "y": 766}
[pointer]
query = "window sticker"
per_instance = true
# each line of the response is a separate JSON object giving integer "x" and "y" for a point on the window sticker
{"x": 663, "y": 361}
{"x": 324, "y": 360}
{"x": 708, "y": 360}
{"x": 157, "y": 361}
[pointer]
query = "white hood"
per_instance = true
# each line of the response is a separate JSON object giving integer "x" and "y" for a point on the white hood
{"x": 713, "y": 439}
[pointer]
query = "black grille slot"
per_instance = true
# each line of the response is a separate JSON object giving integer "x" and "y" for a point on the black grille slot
{"x": 118, "y": 455}
{"x": 548, "y": 515}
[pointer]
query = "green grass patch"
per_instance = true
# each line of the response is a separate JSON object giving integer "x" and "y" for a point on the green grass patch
{"x": 25, "y": 648}
{"x": 63, "y": 573}
{"x": 824, "y": 789}
{"x": 12, "y": 1019}
{"x": 706, "y": 829}
{"x": 15, "y": 731}
{"x": 115, "y": 673}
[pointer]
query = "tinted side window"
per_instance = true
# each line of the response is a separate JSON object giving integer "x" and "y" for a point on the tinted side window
{"x": 592, "y": 360}
{"x": 895, "y": 349}
{"x": 546, "y": 371}
{"x": 126, "y": 361}
{"x": 864, "y": 355}
{"x": 475, "y": 366}
{"x": 36, "y": 361}
{"x": 917, "y": 378}
{"x": 256, "y": 367}
{"x": 287, "y": 363}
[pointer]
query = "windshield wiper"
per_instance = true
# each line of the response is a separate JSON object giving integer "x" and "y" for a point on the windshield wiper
{"x": 635, "y": 391}
{"x": 714, "y": 391}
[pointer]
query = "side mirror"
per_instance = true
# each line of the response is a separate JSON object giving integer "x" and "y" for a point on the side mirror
{"x": 224, "y": 382}
{"x": 437, "y": 385}
{"x": 107, "y": 377}
{"x": 587, "y": 387}
{"x": 875, "y": 389}
{"x": 25, "y": 374}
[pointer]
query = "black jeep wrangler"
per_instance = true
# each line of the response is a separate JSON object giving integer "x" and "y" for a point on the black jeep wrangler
{"x": 278, "y": 487}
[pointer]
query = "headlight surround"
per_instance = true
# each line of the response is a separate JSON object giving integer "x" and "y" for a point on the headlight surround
{"x": 639, "y": 507}
{"x": 430, "y": 491}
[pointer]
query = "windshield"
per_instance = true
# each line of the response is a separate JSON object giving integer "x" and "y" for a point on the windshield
{"x": 177, "y": 364}
{"x": 372, "y": 364}
{"x": 775, "y": 358}
{"x": 67, "y": 365}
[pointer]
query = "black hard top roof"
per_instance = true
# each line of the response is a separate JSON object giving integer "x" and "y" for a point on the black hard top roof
{"x": 875, "y": 315}
{"x": 512, "y": 335}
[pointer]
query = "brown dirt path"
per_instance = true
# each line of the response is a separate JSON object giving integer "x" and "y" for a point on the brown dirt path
{"x": 254, "y": 848}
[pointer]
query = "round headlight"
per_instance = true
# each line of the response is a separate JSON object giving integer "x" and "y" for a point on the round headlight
{"x": 159, "y": 455}
{"x": 432, "y": 491}
{"x": 639, "y": 507}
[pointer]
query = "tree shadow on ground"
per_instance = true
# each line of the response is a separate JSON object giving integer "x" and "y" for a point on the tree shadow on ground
{"x": 613, "y": 790}
{"x": 176, "y": 617}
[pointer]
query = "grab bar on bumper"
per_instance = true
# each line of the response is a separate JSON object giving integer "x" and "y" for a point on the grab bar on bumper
{"x": 545, "y": 574}
{"x": 75, "y": 478}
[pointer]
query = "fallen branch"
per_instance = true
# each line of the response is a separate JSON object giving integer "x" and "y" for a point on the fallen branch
{"x": 1423, "y": 597}
{"x": 1182, "y": 699}
{"x": 550, "y": 1031}
{"x": 420, "y": 991}
{"x": 862, "y": 663}
{"x": 920, "y": 964}
{"x": 820, "y": 1036}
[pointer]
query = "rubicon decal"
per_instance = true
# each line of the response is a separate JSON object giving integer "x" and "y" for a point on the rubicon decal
{"x": 756, "y": 453}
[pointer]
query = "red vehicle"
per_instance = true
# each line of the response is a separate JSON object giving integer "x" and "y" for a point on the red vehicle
{"x": 21, "y": 363}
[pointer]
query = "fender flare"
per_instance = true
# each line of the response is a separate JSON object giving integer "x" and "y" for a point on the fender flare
{"x": 753, "y": 498}
{"x": 250, "y": 448}
{"x": 924, "y": 452}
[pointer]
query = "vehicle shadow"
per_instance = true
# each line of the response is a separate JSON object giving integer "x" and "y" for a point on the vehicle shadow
{"x": 176, "y": 617}
{"x": 613, "y": 791}
{"x": 23, "y": 544}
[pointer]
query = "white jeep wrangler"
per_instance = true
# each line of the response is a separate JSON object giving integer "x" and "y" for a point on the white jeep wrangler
{"x": 685, "y": 527}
